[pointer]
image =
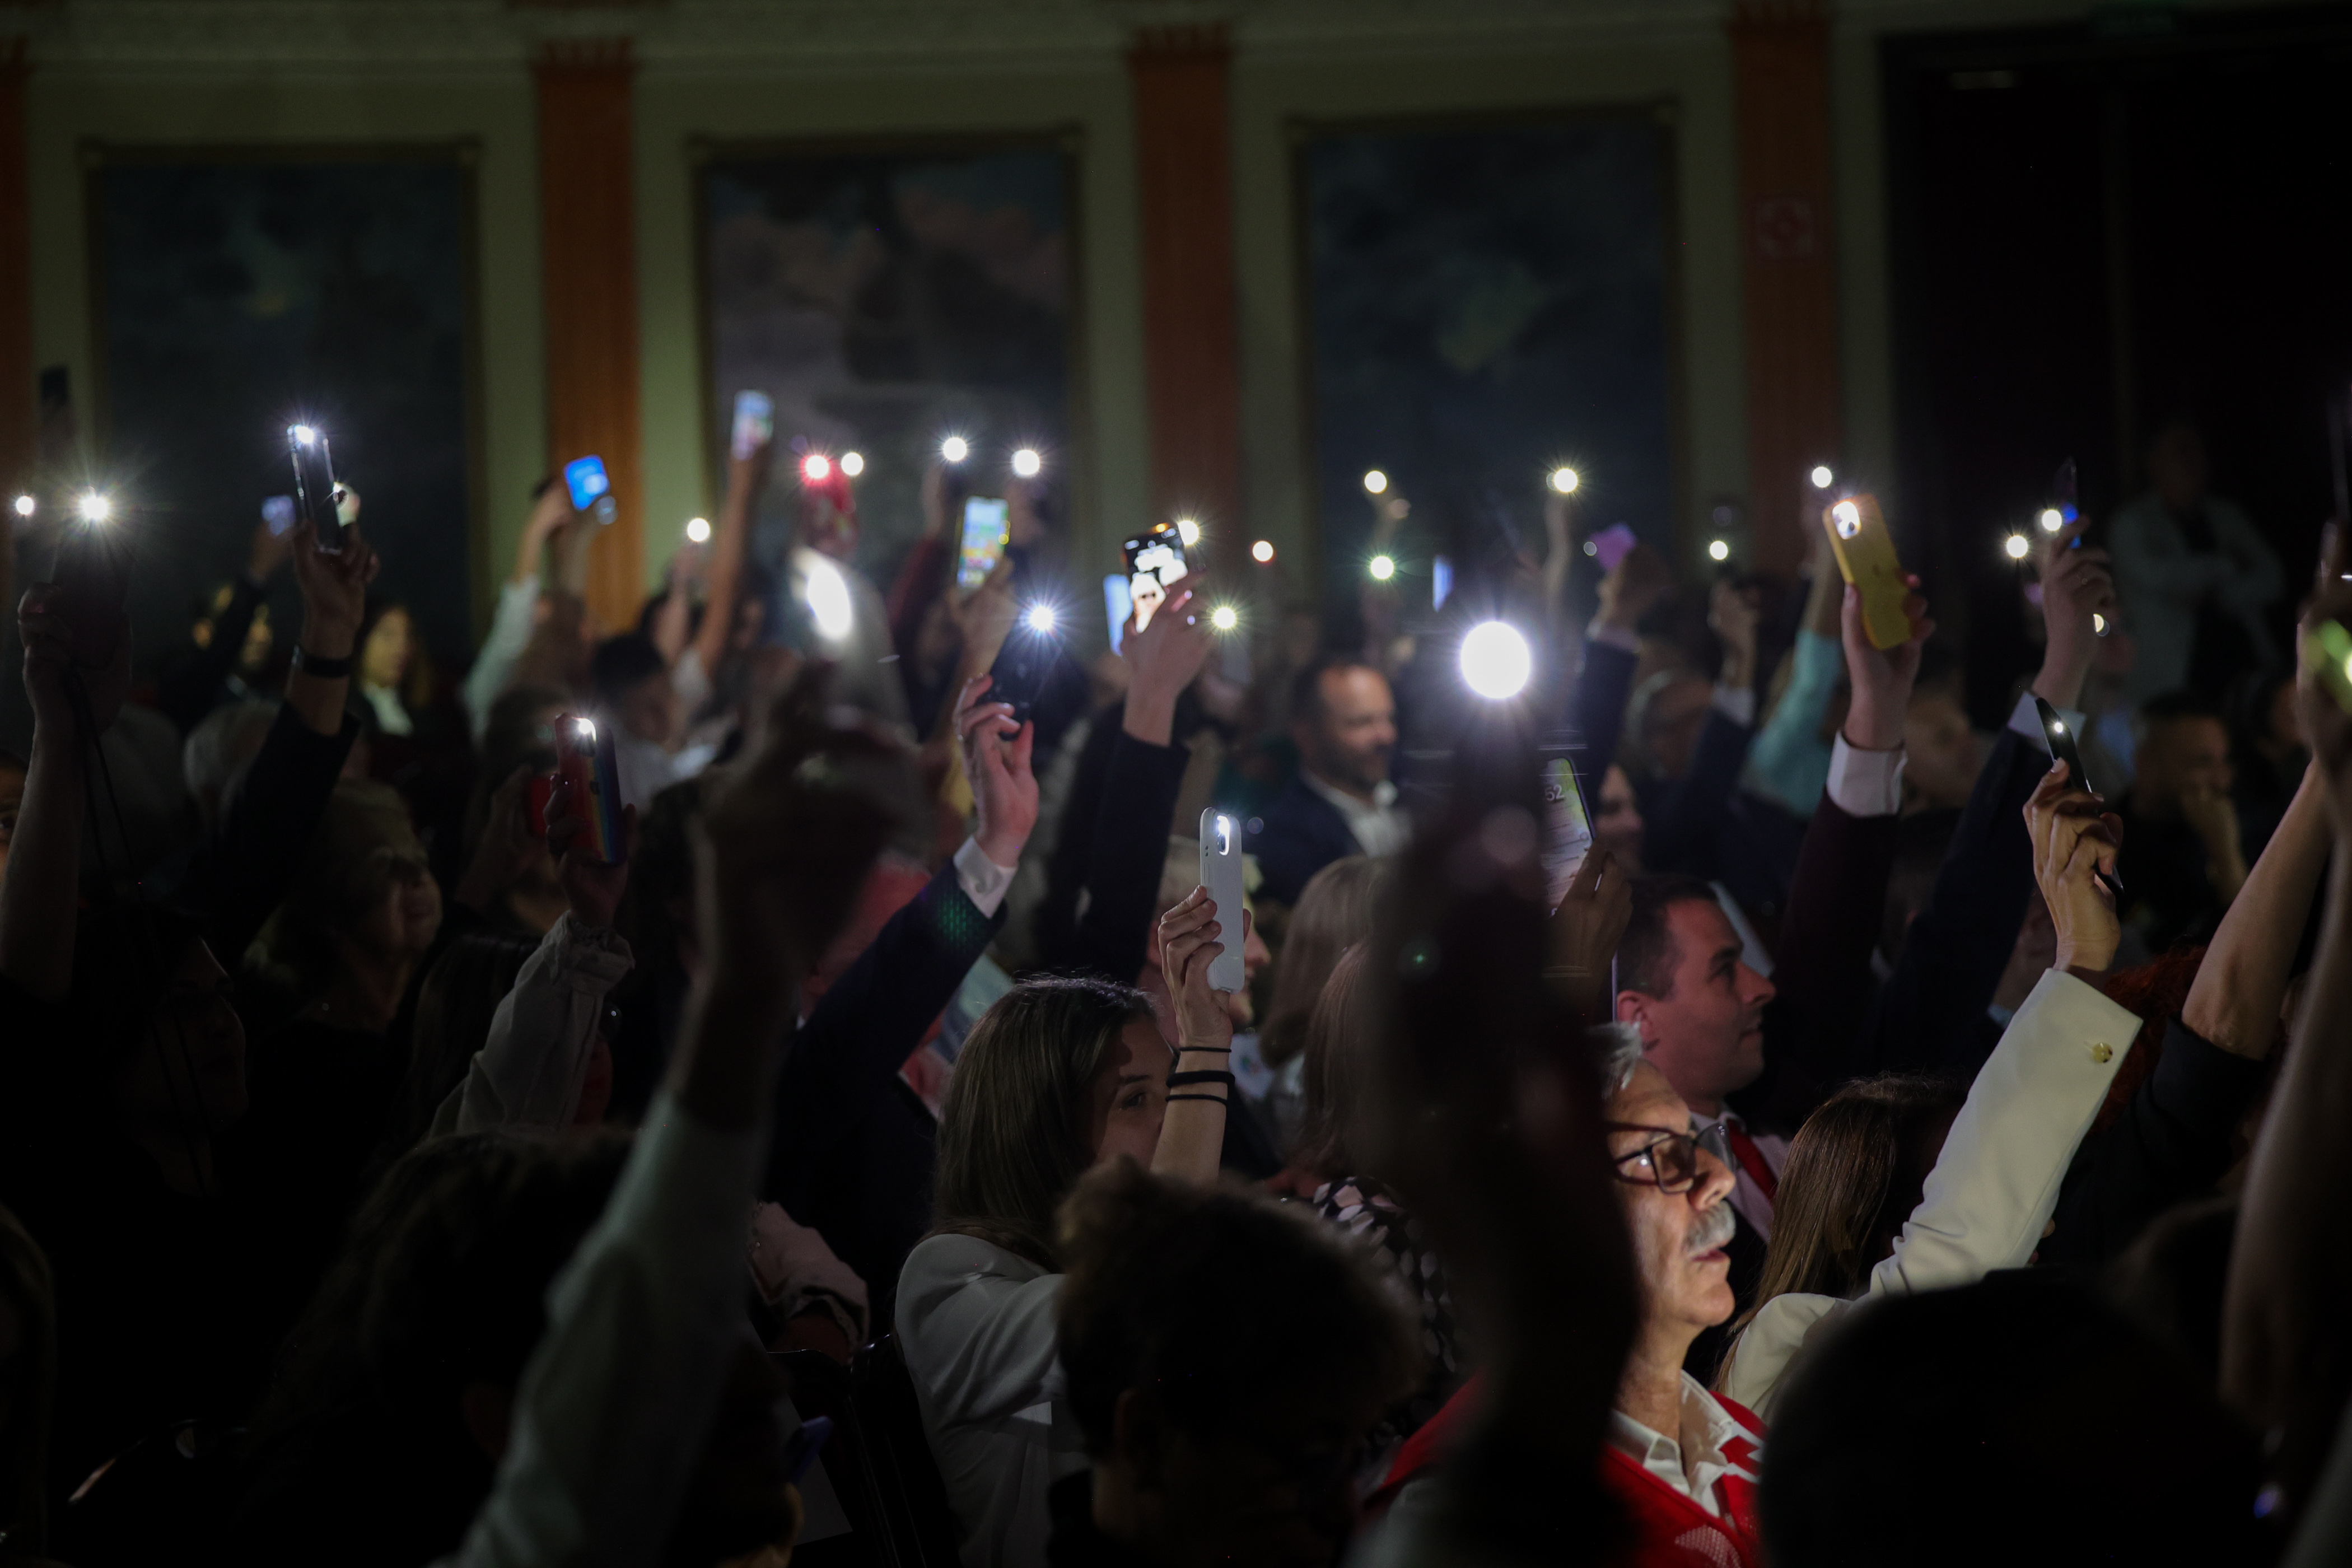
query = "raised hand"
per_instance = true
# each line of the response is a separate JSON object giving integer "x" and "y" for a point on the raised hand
{"x": 1882, "y": 678}
{"x": 996, "y": 761}
{"x": 2326, "y": 726}
{"x": 2074, "y": 845}
{"x": 2076, "y": 586}
{"x": 1163, "y": 660}
{"x": 1584, "y": 933}
{"x": 334, "y": 589}
{"x": 268, "y": 551}
{"x": 49, "y": 658}
{"x": 1639, "y": 580}
{"x": 593, "y": 887}
{"x": 1188, "y": 945}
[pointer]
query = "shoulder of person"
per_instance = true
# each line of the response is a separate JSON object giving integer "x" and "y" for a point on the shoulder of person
{"x": 951, "y": 1257}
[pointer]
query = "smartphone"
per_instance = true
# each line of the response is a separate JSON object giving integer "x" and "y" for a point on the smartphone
{"x": 587, "y": 481}
{"x": 987, "y": 526}
{"x": 1119, "y": 602}
{"x": 1865, "y": 557}
{"x": 1612, "y": 545}
{"x": 2327, "y": 654}
{"x": 314, "y": 485}
{"x": 1155, "y": 563}
{"x": 278, "y": 514}
{"x": 1567, "y": 829}
{"x": 1022, "y": 666}
{"x": 93, "y": 567}
{"x": 2059, "y": 736}
{"x": 755, "y": 423}
{"x": 584, "y": 760}
{"x": 1221, "y": 873}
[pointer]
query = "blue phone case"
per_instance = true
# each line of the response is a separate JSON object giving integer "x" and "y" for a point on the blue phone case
{"x": 586, "y": 479}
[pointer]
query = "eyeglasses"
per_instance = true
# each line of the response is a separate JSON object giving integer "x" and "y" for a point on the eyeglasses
{"x": 1671, "y": 1160}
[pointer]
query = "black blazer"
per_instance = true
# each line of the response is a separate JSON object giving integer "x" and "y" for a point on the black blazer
{"x": 1300, "y": 835}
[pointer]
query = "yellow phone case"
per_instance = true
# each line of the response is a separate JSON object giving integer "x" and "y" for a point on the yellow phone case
{"x": 1865, "y": 554}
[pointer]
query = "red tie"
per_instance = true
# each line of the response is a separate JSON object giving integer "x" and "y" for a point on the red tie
{"x": 1751, "y": 1160}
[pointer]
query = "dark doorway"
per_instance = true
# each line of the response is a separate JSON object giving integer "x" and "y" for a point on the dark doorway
{"x": 2097, "y": 227}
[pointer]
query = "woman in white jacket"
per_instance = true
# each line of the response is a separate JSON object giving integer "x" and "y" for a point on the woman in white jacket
{"x": 1057, "y": 1077}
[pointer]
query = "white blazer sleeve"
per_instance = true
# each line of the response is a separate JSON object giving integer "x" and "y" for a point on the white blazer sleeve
{"x": 1994, "y": 1185}
{"x": 529, "y": 1071}
{"x": 979, "y": 1341}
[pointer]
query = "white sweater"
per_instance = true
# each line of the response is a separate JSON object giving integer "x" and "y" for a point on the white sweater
{"x": 1993, "y": 1188}
{"x": 976, "y": 1325}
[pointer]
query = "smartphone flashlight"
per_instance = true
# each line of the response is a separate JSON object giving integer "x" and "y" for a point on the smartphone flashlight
{"x": 1188, "y": 531}
{"x": 2051, "y": 520}
{"x": 587, "y": 728}
{"x": 1564, "y": 480}
{"x": 853, "y": 464}
{"x": 2018, "y": 546}
{"x": 1040, "y": 617}
{"x": 1496, "y": 660}
{"x": 1375, "y": 481}
{"x": 697, "y": 530}
{"x": 304, "y": 434}
{"x": 1381, "y": 567}
{"x": 1026, "y": 463}
{"x": 955, "y": 449}
{"x": 1262, "y": 551}
{"x": 816, "y": 468}
{"x": 1719, "y": 550}
{"x": 93, "y": 507}
{"x": 1821, "y": 477}
{"x": 25, "y": 505}
{"x": 1225, "y": 618}
{"x": 1846, "y": 515}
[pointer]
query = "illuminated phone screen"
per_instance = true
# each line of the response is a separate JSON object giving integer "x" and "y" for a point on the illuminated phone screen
{"x": 987, "y": 525}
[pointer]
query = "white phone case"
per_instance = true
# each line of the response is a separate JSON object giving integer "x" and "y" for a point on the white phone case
{"x": 1221, "y": 873}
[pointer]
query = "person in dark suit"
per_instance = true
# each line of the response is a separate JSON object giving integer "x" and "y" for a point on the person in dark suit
{"x": 1340, "y": 802}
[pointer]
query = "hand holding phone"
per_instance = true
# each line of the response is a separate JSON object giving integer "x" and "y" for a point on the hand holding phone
{"x": 1609, "y": 546}
{"x": 314, "y": 485}
{"x": 590, "y": 487}
{"x": 987, "y": 528}
{"x": 754, "y": 427}
{"x": 585, "y": 761}
{"x": 1221, "y": 873}
{"x": 1866, "y": 558}
{"x": 1567, "y": 829}
{"x": 2059, "y": 736}
{"x": 1155, "y": 564}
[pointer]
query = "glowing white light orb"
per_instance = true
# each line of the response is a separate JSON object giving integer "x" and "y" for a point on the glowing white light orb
{"x": 2098, "y": 624}
{"x": 1564, "y": 480}
{"x": 1848, "y": 517}
{"x": 698, "y": 528}
{"x": 2051, "y": 520}
{"x": 1822, "y": 478}
{"x": 1496, "y": 661}
{"x": 816, "y": 468}
{"x": 955, "y": 448}
{"x": 1040, "y": 617}
{"x": 1375, "y": 481}
{"x": 25, "y": 506}
{"x": 827, "y": 592}
{"x": 853, "y": 464}
{"x": 94, "y": 507}
{"x": 304, "y": 434}
{"x": 1719, "y": 550}
{"x": 1381, "y": 568}
{"x": 1262, "y": 551}
{"x": 1026, "y": 463}
{"x": 2018, "y": 546}
{"x": 1188, "y": 531}
{"x": 1225, "y": 618}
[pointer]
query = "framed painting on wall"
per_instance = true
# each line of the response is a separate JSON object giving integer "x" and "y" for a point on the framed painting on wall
{"x": 1486, "y": 302}
{"x": 886, "y": 296}
{"x": 237, "y": 290}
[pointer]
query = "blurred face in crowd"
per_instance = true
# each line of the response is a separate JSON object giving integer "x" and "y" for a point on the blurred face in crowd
{"x": 1271, "y": 1487}
{"x": 1131, "y": 1096}
{"x": 2176, "y": 461}
{"x": 1678, "y": 1237}
{"x": 391, "y": 644}
{"x": 1671, "y": 722}
{"x": 1617, "y": 821}
{"x": 1348, "y": 738}
{"x": 12, "y": 800}
{"x": 191, "y": 1055}
{"x": 649, "y": 710}
{"x": 403, "y": 917}
{"x": 2180, "y": 758}
{"x": 1705, "y": 1032}
{"x": 1940, "y": 752}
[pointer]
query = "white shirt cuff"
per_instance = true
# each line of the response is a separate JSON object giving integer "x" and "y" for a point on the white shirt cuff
{"x": 1866, "y": 784}
{"x": 2026, "y": 720}
{"x": 1736, "y": 703}
{"x": 983, "y": 881}
{"x": 1616, "y": 636}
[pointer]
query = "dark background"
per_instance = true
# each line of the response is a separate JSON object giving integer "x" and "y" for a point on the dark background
{"x": 236, "y": 297}
{"x": 2097, "y": 228}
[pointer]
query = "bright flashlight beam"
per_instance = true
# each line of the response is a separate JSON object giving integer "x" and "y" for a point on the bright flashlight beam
{"x": 1026, "y": 463}
{"x": 1040, "y": 617}
{"x": 853, "y": 464}
{"x": 816, "y": 468}
{"x": 2018, "y": 546}
{"x": 827, "y": 592}
{"x": 25, "y": 505}
{"x": 1822, "y": 478}
{"x": 95, "y": 508}
{"x": 1496, "y": 661}
{"x": 304, "y": 434}
{"x": 1188, "y": 531}
{"x": 1564, "y": 480}
{"x": 698, "y": 528}
{"x": 2051, "y": 520}
{"x": 1262, "y": 551}
{"x": 1375, "y": 481}
{"x": 1381, "y": 568}
{"x": 1225, "y": 618}
{"x": 1719, "y": 550}
{"x": 955, "y": 448}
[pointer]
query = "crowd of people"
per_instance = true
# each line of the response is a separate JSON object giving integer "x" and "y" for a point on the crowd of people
{"x": 1879, "y": 1144}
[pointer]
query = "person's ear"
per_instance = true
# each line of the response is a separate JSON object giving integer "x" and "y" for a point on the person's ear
{"x": 1634, "y": 1008}
{"x": 1138, "y": 1436}
{"x": 487, "y": 1412}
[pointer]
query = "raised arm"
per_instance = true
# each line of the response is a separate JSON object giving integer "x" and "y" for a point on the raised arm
{"x": 614, "y": 1407}
{"x": 187, "y": 696}
{"x": 1193, "y": 1135}
{"x": 731, "y": 545}
{"x": 42, "y": 886}
{"x": 1596, "y": 704}
{"x": 2285, "y": 1361}
{"x": 1679, "y": 836}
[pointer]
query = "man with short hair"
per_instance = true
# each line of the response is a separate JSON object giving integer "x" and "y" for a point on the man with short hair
{"x": 1340, "y": 802}
{"x": 2182, "y": 859}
